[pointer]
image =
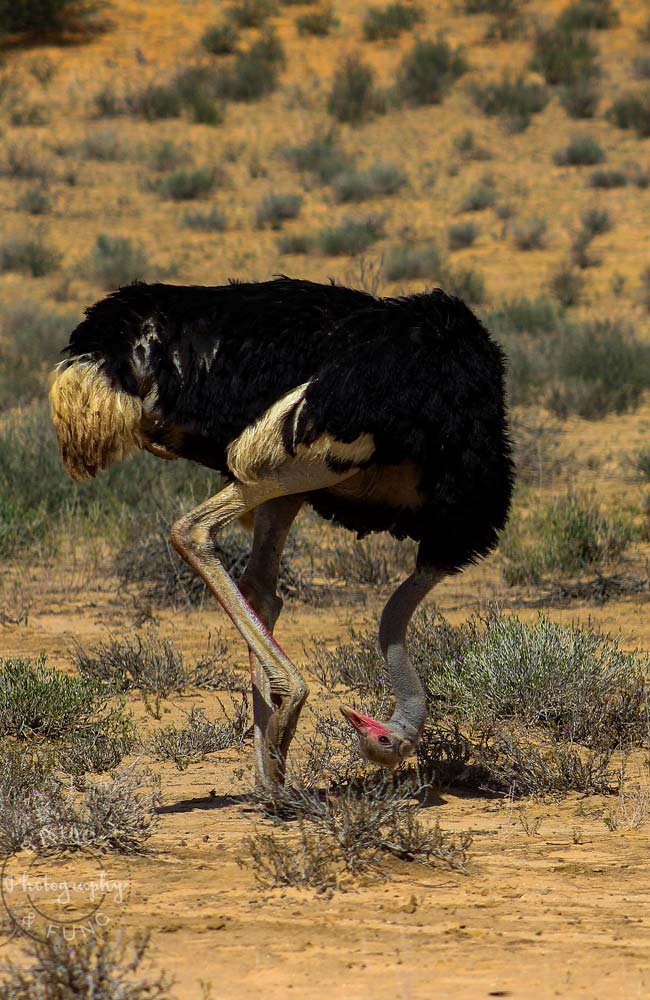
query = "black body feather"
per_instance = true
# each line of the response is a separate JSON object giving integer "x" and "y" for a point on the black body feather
{"x": 419, "y": 373}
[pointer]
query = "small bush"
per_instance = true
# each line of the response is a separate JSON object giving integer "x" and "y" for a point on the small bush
{"x": 479, "y": 197}
{"x": 104, "y": 145}
{"x": 529, "y": 234}
{"x": 220, "y": 39}
{"x": 566, "y": 284}
{"x": 641, "y": 67}
{"x": 632, "y": 110}
{"x": 466, "y": 283}
{"x": 377, "y": 560}
{"x": 317, "y": 22}
{"x": 190, "y": 743}
{"x": 581, "y": 151}
{"x": 96, "y": 967}
{"x": 186, "y": 185}
{"x": 116, "y": 261}
{"x": 522, "y": 315}
{"x": 580, "y": 99}
{"x": 35, "y": 200}
{"x": 461, "y": 235}
{"x": 24, "y": 162}
{"x": 412, "y": 260}
{"x": 156, "y": 101}
{"x": 351, "y": 236}
{"x": 30, "y": 255}
{"x": 49, "y": 19}
{"x": 607, "y": 179}
{"x": 255, "y": 72}
{"x": 428, "y": 71}
{"x": 564, "y": 57}
{"x": 166, "y": 155}
{"x": 353, "y": 97}
{"x": 468, "y": 148}
{"x": 381, "y": 23}
{"x": 295, "y": 243}
{"x": 380, "y": 180}
{"x": 30, "y": 114}
{"x": 596, "y": 221}
{"x": 321, "y": 155}
{"x": 276, "y": 209}
{"x": 565, "y": 536}
{"x": 587, "y": 15}
{"x": 252, "y": 13}
{"x": 213, "y": 221}
{"x": 512, "y": 99}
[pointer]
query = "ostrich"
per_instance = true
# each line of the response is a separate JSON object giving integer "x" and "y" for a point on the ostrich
{"x": 383, "y": 414}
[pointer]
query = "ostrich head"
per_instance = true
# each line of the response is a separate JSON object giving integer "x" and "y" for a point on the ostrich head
{"x": 384, "y": 743}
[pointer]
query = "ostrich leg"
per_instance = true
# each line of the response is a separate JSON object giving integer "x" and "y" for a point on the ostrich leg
{"x": 191, "y": 537}
{"x": 273, "y": 729}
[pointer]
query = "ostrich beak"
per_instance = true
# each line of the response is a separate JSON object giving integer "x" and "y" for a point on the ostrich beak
{"x": 364, "y": 723}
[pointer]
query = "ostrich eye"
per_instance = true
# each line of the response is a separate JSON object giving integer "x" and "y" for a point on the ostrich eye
{"x": 385, "y": 742}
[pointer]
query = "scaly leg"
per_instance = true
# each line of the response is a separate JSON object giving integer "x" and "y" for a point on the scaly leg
{"x": 273, "y": 729}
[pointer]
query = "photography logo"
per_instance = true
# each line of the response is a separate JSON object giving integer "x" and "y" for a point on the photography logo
{"x": 75, "y": 893}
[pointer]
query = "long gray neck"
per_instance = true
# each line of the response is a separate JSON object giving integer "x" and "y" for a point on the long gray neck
{"x": 410, "y": 701}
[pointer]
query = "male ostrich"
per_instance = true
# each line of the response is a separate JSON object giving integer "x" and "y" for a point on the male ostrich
{"x": 382, "y": 414}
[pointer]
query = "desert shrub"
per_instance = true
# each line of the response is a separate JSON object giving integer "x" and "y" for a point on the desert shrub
{"x": 187, "y": 744}
{"x": 213, "y": 221}
{"x": 566, "y": 284}
{"x": 465, "y": 282}
{"x": 461, "y": 235}
{"x": 32, "y": 341}
{"x": 49, "y": 19}
{"x": 563, "y": 56}
{"x": 512, "y": 99}
{"x": 252, "y": 13}
{"x": 376, "y": 560}
{"x": 31, "y": 255}
{"x": 596, "y": 221}
{"x": 564, "y": 536}
{"x": 428, "y": 71}
{"x": 186, "y": 185}
{"x": 29, "y": 114}
{"x": 607, "y": 179}
{"x": 598, "y": 367}
{"x": 116, "y": 261}
{"x": 479, "y": 196}
{"x": 220, "y": 39}
{"x": 529, "y": 234}
{"x": 409, "y": 261}
{"x": 586, "y": 15}
{"x": 35, "y": 200}
{"x": 155, "y": 101}
{"x": 641, "y": 67}
{"x": 382, "y": 179}
{"x": 97, "y": 966}
{"x": 632, "y": 110}
{"x": 580, "y": 151}
{"x": 167, "y": 155}
{"x": 322, "y": 155}
{"x": 255, "y": 72}
{"x": 278, "y": 860}
{"x": 24, "y": 161}
{"x": 103, "y": 144}
{"x": 295, "y": 243}
{"x": 107, "y": 103}
{"x": 535, "y": 317}
{"x": 580, "y": 98}
{"x": 317, "y": 22}
{"x": 353, "y": 97}
{"x": 381, "y": 23}
{"x": 351, "y": 235}
{"x": 468, "y": 148}
{"x": 275, "y": 209}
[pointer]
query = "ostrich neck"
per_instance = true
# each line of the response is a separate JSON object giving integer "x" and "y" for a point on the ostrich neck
{"x": 410, "y": 701}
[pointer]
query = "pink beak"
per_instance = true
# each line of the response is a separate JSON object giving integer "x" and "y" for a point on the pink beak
{"x": 364, "y": 723}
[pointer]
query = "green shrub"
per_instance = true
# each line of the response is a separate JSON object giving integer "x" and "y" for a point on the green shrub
{"x": 295, "y": 243}
{"x": 116, "y": 261}
{"x": 156, "y": 101}
{"x": 468, "y": 148}
{"x": 220, "y": 39}
{"x": 30, "y": 255}
{"x": 586, "y": 15}
{"x": 186, "y": 185}
{"x": 479, "y": 197}
{"x": 380, "y": 180}
{"x": 29, "y": 115}
{"x": 213, "y": 221}
{"x": 596, "y": 221}
{"x": 632, "y": 110}
{"x": 466, "y": 283}
{"x": 564, "y": 57}
{"x": 351, "y": 236}
{"x": 275, "y": 209}
{"x": 641, "y": 67}
{"x": 381, "y": 23}
{"x": 255, "y": 72}
{"x": 512, "y": 99}
{"x": 24, "y": 162}
{"x": 353, "y": 97}
{"x": 580, "y": 151}
{"x": 321, "y": 155}
{"x": 190, "y": 743}
{"x": 32, "y": 340}
{"x": 529, "y": 234}
{"x": 104, "y": 145}
{"x": 166, "y": 155}
{"x": 580, "y": 98}
{"x": 461, "y": 235}
{"x": 566, "y": 284}
{"x": 564, "y": 536}
{"x": 35, "y": 200}
{"x": 252, "y": 13}
{"x": 409, "y": 261}
{"x": 317, "y": 22}
{"x": 607, "y": 179}
{"x": 45, "y": 19}
{"x": 428, "y": 71}
{"x": 522, "y": 315}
